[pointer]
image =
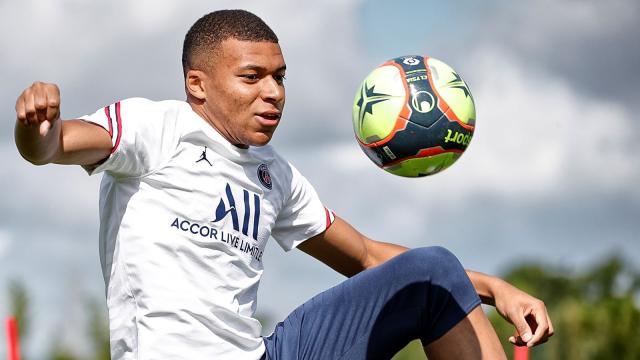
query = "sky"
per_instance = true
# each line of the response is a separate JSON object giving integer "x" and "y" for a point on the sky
{"x": 550, "y": 176}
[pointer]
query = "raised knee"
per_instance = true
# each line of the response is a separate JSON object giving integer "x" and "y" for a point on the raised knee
{"x": 434, "y": 264}
{"x": 430, "y": 257}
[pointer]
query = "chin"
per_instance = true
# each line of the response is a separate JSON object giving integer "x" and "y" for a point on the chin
{"x": 261, "y": 139}
{"x": 260, "y": 143}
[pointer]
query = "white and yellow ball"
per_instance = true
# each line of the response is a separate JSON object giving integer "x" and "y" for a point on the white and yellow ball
{"x": 413, "y": 116}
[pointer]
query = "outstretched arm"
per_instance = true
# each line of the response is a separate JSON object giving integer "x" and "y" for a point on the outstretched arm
{"x": 528, "y": 314}
{"x": 42, "y": 137}
{"x": 347, "y": 251}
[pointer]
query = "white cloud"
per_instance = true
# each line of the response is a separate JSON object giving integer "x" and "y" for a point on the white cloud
{"x": 591, "y": 43}
{"x": 541, "y": 24}
{"x": 49, "y": 195}
{"x": 149, "y": 16}
{"x": 536, "y": 135}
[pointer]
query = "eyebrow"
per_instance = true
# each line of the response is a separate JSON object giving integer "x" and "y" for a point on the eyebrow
{"x": 261, "y": 68}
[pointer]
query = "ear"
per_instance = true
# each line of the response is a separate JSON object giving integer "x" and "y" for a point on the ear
{"x": 194, "y": 82}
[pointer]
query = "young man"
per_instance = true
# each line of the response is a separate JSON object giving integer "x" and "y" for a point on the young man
{"x": 190, "y": 195}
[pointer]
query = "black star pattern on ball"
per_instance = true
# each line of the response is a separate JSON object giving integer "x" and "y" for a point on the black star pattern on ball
{"x": 368, "y": 98}
{"x": 457, "y": 83}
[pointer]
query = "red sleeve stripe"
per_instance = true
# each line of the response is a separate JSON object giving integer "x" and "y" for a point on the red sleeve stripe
{"x": 119, "y": 126}
{"x": 330, "y": 216}
{"x": 107, "y": 112}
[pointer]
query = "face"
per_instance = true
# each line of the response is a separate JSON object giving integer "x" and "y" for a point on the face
{"x": 244, "y": 91}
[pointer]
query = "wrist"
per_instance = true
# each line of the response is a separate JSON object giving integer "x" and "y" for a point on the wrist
{"x": 486, "y": 286}
{"x": 493, "y": 288}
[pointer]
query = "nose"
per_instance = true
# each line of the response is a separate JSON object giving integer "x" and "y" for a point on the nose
{"x": 272, "y": 90}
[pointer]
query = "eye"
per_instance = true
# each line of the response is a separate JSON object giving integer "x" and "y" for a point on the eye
{"x": 280, "y": 78}
{"x": 250, "y": 77}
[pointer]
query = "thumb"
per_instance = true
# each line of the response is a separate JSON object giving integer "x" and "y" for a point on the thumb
{"x": 522, "y": 327}
{"x": 45, "y": 126}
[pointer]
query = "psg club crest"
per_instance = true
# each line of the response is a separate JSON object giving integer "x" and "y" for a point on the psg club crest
{"x": 264, "y": 176}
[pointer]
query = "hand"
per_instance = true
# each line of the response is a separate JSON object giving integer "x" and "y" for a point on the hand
{"x": 528, "y": 314}
{"x": 39, "y": 105}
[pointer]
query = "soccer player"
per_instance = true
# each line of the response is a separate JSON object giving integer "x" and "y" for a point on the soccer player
{"x": 191, "y": 193}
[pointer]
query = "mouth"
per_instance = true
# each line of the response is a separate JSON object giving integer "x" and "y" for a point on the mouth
{"x": 269, "y": 118}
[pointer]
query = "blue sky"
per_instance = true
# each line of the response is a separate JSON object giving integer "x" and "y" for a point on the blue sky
{"x": 551, "y": 174}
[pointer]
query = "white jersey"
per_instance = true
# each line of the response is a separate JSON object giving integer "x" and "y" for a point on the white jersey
{"x": 184, "y": 220}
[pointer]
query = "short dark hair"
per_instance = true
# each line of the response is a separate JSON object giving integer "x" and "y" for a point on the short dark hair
{"x": 210, "y": 30}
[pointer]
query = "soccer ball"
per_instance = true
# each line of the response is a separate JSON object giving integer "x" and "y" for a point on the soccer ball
{"x": 413, "y": 116}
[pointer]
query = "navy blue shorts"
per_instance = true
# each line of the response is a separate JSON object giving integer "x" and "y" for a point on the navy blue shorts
{"x": 420, "y": 294}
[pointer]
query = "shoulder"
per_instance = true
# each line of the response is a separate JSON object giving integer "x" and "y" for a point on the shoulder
{"x": 141, "y": 105}
{"x": 144, "y": 113}
{"x": 143, "y": 119}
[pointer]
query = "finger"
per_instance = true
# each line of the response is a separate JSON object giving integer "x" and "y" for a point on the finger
{"x": 20, "y": 111}
{"x": 44, "y": 127}
{"x": 40, "y": 103}
{"x": 522, "y": 327}
{"x": 540, "y": 327}
{"x": 53, "y": 114}
{"x": 41, "y": 110}
{"x": 53, "y": 102}
{"x": 53, "y": 95}
{"x": 517, "y": 341}
{"x": 550, "y": 325}
{"x": 29, "y": 107}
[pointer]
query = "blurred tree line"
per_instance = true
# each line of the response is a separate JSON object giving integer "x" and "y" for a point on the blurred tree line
{"x": 97, "y": 329}
{"x": 595, "y": 313}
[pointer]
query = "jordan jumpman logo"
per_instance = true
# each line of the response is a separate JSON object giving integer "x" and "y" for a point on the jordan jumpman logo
{"x": 203, "y": 156}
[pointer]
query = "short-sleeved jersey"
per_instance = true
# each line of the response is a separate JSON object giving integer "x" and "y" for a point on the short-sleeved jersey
{"x": 184, "y": 220}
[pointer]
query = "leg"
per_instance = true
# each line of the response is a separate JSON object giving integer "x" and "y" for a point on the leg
{"x": 471, "y": 338}
{"x": 422, "y": 293}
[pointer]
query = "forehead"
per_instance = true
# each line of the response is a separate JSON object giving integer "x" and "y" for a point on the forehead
{"x": 237, "y": 54}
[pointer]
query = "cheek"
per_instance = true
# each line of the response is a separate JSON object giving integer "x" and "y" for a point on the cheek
{"x": 233, "y": 103}
{"x": 230, "y": 103}
{"x": 240, "y": 110}
{"x": 238, "y": 97}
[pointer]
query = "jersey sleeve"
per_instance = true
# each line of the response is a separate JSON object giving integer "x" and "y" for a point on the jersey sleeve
{"x": 141, "y": 132}
{"x": 303, "y": 215}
